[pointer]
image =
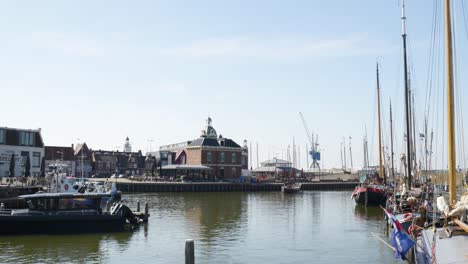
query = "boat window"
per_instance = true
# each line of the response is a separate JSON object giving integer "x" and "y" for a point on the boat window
{"x": 78, "y": 203}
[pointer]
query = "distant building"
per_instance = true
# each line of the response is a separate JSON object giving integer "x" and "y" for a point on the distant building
{"x": 83, "y": 158}
{"x": 21, "y": 143}
{"x": 60, "y": 158}
{"x": 274, "y": 168}
{"x": 127, "y": 146}
{"x": 104, "y": 163}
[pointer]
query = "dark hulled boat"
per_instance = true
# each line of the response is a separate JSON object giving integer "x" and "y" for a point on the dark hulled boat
{"x": 64, "y": 213}
{"x": 373, "y": 195}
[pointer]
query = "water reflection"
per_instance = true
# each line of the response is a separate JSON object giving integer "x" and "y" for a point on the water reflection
{"x": 369, "y": 212}
{"x": 62, "y": 248}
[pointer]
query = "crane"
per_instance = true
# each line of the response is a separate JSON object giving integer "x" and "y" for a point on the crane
{"x": 313, "y": 152}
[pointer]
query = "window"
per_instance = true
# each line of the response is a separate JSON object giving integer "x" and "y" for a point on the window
{"x": 36, "y": 160}
{"x": 2, "y": 136}
{"x": 209, "y": 157}
{"x": 221, "y": 157}
{"x": 26, "y": 138}
{"x": 234, "y": 172}
{"x": 234, "y": 158}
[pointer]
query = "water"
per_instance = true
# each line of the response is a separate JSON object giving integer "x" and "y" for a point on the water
{"x": 228, "y": 228}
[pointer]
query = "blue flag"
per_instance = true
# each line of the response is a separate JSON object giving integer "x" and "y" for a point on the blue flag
{"x": 401, "y": 241}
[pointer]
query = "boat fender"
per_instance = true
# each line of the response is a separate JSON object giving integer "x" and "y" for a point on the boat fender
{"x": 407, "y": 217}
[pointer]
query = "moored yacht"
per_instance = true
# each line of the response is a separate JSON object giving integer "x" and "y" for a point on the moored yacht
{"x": 58, "y": 213}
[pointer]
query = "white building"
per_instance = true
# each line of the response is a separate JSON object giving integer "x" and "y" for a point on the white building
{"x": 127, "y": 146}
{"x": 19, "y": 144}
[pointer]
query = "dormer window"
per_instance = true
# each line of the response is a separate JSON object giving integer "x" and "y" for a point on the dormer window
{"x": 26, "y": 138}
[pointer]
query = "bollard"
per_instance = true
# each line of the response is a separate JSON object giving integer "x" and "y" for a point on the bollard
{"x": 146, "y": 211}
{"x": 138, "y": 206}
{"x": 189, "y": 251}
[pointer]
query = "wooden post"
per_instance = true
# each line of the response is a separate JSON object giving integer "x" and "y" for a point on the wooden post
{"x": 138, "y": 206}
{"x": 189, "y": 251}
{"x": 146, "y": 213}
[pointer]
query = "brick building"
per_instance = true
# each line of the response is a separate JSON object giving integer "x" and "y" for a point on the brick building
{"x": 223, "y": 156}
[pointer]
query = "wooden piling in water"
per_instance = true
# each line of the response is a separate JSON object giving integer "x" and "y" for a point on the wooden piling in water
{"x": 189, "y": 251}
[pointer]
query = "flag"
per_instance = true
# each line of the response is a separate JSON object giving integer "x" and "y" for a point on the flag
{"x": 401, "y": 241}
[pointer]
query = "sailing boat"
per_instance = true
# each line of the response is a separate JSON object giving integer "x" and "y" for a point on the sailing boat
{"x": 374, "y": 193}
{"x": 448, "y": 244}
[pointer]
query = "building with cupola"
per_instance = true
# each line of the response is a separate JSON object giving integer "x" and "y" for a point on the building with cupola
{"x": 210, "y": 157}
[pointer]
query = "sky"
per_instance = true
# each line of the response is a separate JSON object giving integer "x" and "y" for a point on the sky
{"x": 99, "y": 71}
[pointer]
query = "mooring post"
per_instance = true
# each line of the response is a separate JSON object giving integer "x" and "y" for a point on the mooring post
{"x": 138, "y": 206}
{"x": 146, "y": 212}
{"x": 189, "y": 251}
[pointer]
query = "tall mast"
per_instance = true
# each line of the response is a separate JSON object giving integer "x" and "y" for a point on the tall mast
{"x": 344, "y": 152}
{"x": 380, "y": 129}
{"x": 341, "y": 150}
{"x": 350, "y": 153}
{"x": 407, "y": 98}
{"x": 450, "y": 103}
{"x": 391, "y": 141}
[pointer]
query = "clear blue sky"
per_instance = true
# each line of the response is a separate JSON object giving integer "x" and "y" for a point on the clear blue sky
{"x": 104, "y": 70}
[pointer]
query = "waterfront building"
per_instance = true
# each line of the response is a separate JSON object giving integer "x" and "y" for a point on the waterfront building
{"x": 209, "y": 157}
{"x": 20, "y": 144}
{"x": 60, "y": 159}
{"x": 83, "y": 158}
{"x": 104, "y": 163}
{"x": 222, "y": 155}
{"x": 274, "y": 168}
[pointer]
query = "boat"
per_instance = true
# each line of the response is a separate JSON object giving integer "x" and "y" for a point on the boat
{"x": 372, "y": 192}
{"x": 64, "y": 213}
{"x": 447, "y": 244}
{"x": 291, "y": 188}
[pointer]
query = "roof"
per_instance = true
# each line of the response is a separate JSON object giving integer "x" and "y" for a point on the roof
{"x": 214, "y": 142}
{"x": 276, "y": 161}
{"x": 204, "y": 141}
{"x": 230, "y": 143}
{"x": 56, "y": 152}
{"x": 79, "y": 147}
{"x": 12, "y": 137}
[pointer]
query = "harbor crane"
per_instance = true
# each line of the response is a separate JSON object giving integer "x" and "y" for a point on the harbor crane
{"x": 313, "y": 152}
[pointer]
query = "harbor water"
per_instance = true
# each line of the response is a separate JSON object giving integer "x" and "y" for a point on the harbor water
{"x": 267, "y": 227}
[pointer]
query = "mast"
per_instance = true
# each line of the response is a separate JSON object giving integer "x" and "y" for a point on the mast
{"x": 350, "y": 153}
{"x": 450, "y": 103}
{"x": 344, "y": 153}
{"x": 407, "y": 99}
{"x": 341, "y": 150}
{"x": 380, "y": 129}
{"x": 391, "y": 141}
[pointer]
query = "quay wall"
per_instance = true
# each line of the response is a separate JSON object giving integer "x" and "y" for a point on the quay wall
{"x": 147, "y": 187}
